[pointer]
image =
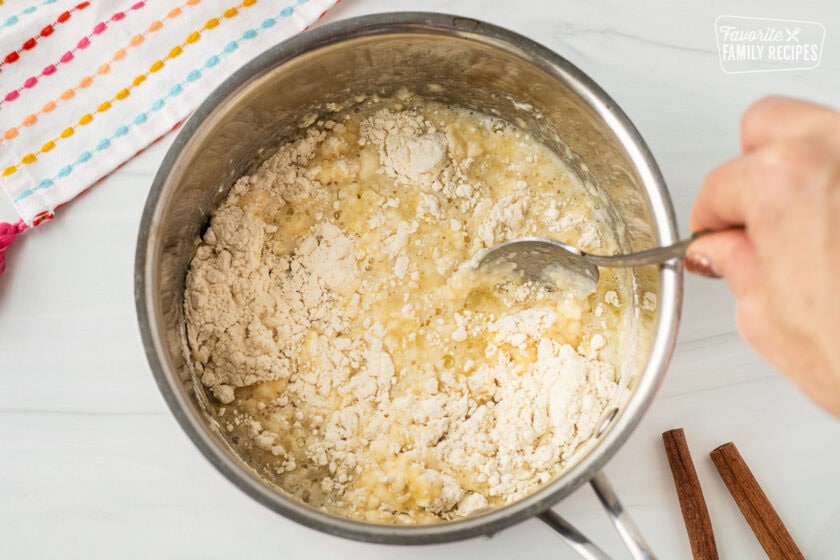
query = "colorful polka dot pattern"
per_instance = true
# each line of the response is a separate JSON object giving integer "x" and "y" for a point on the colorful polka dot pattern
{"x": 48, "y": 30}
{"x": 191, "y": 77}
{"x": 87, "y": 80}
{"x": 47, "y": 215}
{"x": 83, "y": 43}
{"x": 13, "y": 19}
{"x": 138, "y": 80}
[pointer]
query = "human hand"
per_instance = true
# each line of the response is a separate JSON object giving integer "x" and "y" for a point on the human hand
{"x": 784, "y": 266}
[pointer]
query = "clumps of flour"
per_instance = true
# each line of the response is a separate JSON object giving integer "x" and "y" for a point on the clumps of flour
{"x": 530, "y": 421}
{"x": 248, "y": 309}
{"x": 296, "y": 321}
{"x": 410, "y": 150}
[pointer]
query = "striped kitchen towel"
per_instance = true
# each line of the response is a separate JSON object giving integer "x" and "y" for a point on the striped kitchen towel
{"x": 86, "y": 85}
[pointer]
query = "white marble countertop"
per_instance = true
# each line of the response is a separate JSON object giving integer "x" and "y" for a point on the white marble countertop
{"x": 93, "y": 465}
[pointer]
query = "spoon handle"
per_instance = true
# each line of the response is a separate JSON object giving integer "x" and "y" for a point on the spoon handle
{"x": 650, "y": 256}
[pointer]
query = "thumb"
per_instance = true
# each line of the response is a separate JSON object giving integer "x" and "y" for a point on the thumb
{"x": 727, "y": 254}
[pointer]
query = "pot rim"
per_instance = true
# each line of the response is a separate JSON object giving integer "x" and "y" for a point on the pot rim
{"x": 668, "y": 308}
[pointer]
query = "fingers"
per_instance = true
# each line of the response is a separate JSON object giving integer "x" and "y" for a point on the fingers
{"x": 772, "y": 121}
{"x": 728, "y": 254}
{"x": 775, "y": 119}
{"x": 723, "y": 199}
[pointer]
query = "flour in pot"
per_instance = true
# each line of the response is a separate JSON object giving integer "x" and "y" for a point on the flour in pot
{"x": 359, "y": 362}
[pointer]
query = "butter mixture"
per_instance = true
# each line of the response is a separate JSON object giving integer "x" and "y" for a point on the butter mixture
{"x": 358, "y": 360}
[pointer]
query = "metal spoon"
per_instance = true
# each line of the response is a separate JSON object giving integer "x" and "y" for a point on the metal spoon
{"x": 556, "y": 263}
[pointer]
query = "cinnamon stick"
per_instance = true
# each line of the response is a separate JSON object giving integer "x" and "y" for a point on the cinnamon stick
{"x": 754, "y": 504}
{"x": 698, "y": 525}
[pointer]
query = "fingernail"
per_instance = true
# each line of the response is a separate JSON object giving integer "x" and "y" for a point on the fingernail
{"x": 700, "y": 264}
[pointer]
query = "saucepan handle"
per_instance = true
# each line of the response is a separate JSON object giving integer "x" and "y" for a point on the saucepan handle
{"x": 627, "y": 529}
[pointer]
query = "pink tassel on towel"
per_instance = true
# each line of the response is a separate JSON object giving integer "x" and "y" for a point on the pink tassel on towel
{"x": 8, "y": 233}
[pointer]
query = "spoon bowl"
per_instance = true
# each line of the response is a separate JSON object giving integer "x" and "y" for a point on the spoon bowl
{"x": 547, "y": 261}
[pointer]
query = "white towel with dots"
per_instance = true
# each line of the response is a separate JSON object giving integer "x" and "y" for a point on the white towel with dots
{"x": 85, "y": 86}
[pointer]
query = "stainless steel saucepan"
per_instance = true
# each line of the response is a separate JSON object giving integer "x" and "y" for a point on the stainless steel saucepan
{"x": 451, "y": 59}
